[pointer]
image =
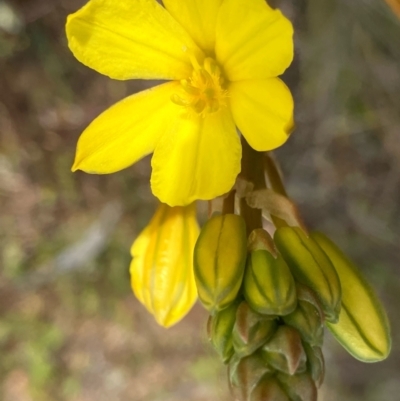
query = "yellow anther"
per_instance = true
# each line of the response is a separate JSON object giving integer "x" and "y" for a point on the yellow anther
{"x": 203, "y": 92}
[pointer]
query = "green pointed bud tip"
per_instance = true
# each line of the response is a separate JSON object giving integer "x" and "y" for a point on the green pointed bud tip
{"x": 268, "y": 285}
{"x": 298, "y": 387}
{"x": 311, "y": 267}
{"x": 284, "y": 351}
{"x": 308, "y": 321}
{"x": 219, "y": 261}
{"x": 315, "y": 364}
{"x": 251, "y": 330}
{"x": 363, "y": 327}
{"x": 305, "y": 294}
{"x": 259, "y": 239}
{"x": 268, "y": 389}
{"x": 246, "y": 373}
{"x": 219, "y": 329}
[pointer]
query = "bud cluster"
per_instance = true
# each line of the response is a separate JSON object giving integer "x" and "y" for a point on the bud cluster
{"x": 269, "y": 299}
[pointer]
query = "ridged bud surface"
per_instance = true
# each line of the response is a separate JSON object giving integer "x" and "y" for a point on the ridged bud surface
{"x": 251, "y": 330}
{"x": 308, "y": 317}
{"x": 284, "y": 351}
{"x": 363, "y": 327}
{"x": 162, "y": 267}
{"x": 310, "y": 266}
{"x": 299, "y": 387}
{"x": 268, "y": 389}
{"x": 220, "y": 328}
{"x": 269, "y": 287}
{"x": 315, "y": 363}
{"x": 219, "y": 261}
{"x": 245, "y": 374}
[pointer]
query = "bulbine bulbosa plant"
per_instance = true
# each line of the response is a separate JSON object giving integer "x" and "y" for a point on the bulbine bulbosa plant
{"x": 270, "y": 284}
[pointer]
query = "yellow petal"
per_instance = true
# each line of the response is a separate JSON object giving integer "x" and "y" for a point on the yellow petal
{"x": 127, "y": 39}
{"x": 162, "y": 268}
{"x": 126, "y": 131}
{"x": 198, "y": 17}
{"x": 252, "y": 40}
{"x": 199, "y": 158}
{"x": 263, "y": 111}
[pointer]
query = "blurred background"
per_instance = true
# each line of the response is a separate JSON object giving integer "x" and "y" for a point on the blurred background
{"x": 70, "y": 328}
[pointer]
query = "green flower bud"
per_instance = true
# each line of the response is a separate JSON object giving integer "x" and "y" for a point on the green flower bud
{"x": 298, "y": 387}
{"x": 220, "y": 328}
{"x": 251, "y": 330}
{"x": 308, "y": 318}
{"x": 268, "y": 389}
{"x": 245, "y": 374}
{"x": 284, "y": 351}
{"x": 315, "y": 363}
{"x": 363, "y": 327}
{"x": 310, "y": 266}
{"x": 269, "y": 287}
{"x": 219, "y": 260}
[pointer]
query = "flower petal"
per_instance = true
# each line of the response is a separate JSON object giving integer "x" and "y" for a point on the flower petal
{"x": 128, "y": 39}
{"x": 253, "y": 41}
{"x": 126, "y": 132}
{"x": 162, "y": 275}
{"x": 263, "y": 111}
{"x": 198, "y": 17}
{"x": 199, "y": 158}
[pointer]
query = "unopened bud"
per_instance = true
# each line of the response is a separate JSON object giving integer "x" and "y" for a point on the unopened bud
{"x": 269, "y": 390}
{"x": 308, "y": 318}
{"x": 219, "y": 260}
{"x": 284, "y": 351}
{"x": 310, "y": 266}
{"x": 315, "y": 363}
{"x": 245, "y": 374}
{"x": 251, "y": 330}
{"x": 220, "y": 328}
{"x": 269, "y": 287}
{"x": 363, "y": 327}
{"x": 298, "y": 387}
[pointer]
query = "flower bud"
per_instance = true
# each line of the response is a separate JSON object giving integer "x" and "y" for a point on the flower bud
{"x": 219, "y": 260}
{"x": 298, "y": 387}
{"x": 315, "y": 363}
{"x": 268, "y": 389}
{"x": 284, "y": 351}
{"x": 363, "y": 327}
{"x": 162, "y": 266}
{"x": 310, "y": 266}
{"x": 269, "y": 287}
{"x": 308, "y": 317}
{"x": 245, "y": 374}
{"x": 251, "y": 330}
{"x": 220, "y": 328}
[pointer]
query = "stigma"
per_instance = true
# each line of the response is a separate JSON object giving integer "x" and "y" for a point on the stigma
{"x": 204, "y": 91}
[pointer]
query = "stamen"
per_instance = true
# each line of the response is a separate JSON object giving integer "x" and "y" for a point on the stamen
{"x": 204, "y": 91}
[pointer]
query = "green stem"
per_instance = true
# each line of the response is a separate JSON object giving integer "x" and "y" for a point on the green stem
{"x": 252, "y": 171}
{"x": 228, "y": 204}
{"x": 273, "y": 175}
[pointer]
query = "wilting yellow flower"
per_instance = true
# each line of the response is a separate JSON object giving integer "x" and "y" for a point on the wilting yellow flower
{"x": 223, "y": 57}
{"x": 162, "y": 275}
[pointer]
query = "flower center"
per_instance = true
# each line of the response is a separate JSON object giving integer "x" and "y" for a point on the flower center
{"x": 204, "y": 91}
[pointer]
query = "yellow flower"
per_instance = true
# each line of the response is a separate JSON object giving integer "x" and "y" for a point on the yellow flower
{"x": 222, "y": 57}
{"x": 162, "y": 275}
